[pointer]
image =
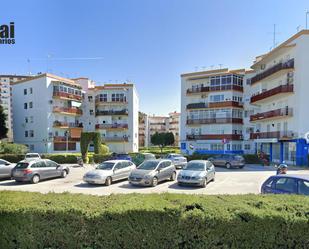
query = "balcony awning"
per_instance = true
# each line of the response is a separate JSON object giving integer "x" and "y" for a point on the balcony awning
{"x": 75, "y": 132}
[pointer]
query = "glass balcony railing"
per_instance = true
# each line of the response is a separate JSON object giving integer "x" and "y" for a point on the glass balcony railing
{"x": 59, "y": 94}
{"x": 215, "y": 105}
{"x": 203, "y": 89}
{"x": 215, "y": 121}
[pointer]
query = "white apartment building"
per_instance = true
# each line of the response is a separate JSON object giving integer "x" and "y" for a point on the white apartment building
{"x": 50, "y": 112}
{"x": 212, "y": 111}
{"x": 5, "y": 99}
{"x": 263, "y": 109}
{"x": 173, "y": 125}
{"x": 112, "y": 110}
{"x": 143, "y": 129}
{"x": 47, "y": 114}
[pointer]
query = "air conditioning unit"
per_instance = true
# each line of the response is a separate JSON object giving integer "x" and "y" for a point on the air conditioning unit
{"x": 50, "y": 102}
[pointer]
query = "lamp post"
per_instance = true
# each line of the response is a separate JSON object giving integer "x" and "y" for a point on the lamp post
{"x": 67, "y": 134}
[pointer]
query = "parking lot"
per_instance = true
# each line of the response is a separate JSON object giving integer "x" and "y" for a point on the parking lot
{"x": 232, "y": 181}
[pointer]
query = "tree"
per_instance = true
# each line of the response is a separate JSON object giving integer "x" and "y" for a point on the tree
{"x": 163, "y": 139}
{"x": 3, "y": 128}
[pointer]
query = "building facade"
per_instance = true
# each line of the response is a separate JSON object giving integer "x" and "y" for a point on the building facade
{"x": 173, "y": 125}
{"x": 6, "y": 101}
{"x": 143, "y": 129}
{"x": 51, "y": 112}
{"x": 263, "y": 109}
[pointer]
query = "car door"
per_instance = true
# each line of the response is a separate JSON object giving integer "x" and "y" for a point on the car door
{"x": 217, "y": 161}
{"x": 285, "y": 185}
{"x": 40, "y": 168}
{"x": 5, "y": 169}
{"x": 303, "y": 187}
{"x": 268, "y": 186}
{"x": 118, "y": 171}
{"x": 53, "y": 168}
{"x": 210, "y": 170}
{"x": 162, "y": 171}
{"x": 126, "y": 169}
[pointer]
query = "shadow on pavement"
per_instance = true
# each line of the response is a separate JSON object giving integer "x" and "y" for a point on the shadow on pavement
{"x": 256, "y": 168}
{"x": 185, "y": 187}
{"x": 13, "y": 183}
{"x": 130, "y": 186}
{"x": 87, "y": 185}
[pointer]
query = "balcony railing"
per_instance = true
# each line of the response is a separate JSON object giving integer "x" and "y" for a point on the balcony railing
{"x": 283, "y": 112}
{"x": 67, "y": 95}
{"x": 215, "y": 137}
{"x": 215, "y": 105}
{"x": 64, "y": 139}
{"x": 111, "y": 126}
{"x": 111, "y": 112}
{"x": 70, "y": 110}
{"x": 272, "y": 92}
{"x": 68, "y": 124}
{"x": 101, "y": 101}
{"x": 272, "y": 70}
{"x": 214, "y": 88}
{"x": 115, "y": 139}
{"x": 273, "y": 134}
{"x": 215, "y": 121}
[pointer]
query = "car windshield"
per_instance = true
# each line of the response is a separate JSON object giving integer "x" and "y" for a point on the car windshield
{"x": 195, "y": 166}
{"x": 238, "y": 157}
{"x": 106, "y": 166}
{"x": 148, "y": 165}
{"x": 22, "y": 165}
{"x": 177, "y": 155}
{"x": 31, "y": 155}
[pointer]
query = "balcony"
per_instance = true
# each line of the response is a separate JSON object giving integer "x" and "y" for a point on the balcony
{"x": 60, "y": 124}
{"x": 278, "y": 67}
{"x": 111, "y": 112}
{"x": 64, "y": 139}
{"x": 215, "y": 137}
{"x": 281, "y": 135}
{"x": 272, "y": 92}
{"x": 115, "y": 139}
{"x": 105, "y": 102}
{"x": 215, "y": 121}
{"x": 204, "y": 89}
{"x": 111, "y": 126}
{"x": 63, "y": 95}
{"x": 68, "y": 110}
{"x": 215, "y": 105}
{"x": 274, "y": 114}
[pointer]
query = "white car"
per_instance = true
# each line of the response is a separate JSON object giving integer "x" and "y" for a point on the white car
{"x": 109, "y": 171}
{"x": 178, "y": 160}
{"x": 31, "y": 156}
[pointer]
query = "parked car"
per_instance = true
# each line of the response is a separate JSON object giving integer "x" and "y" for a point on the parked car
{"x": 286, "y": 184}
{"x": 179, "y": 160}
{"x": 151, "y": 172}
{"x": 6, "y": 169}
{"x": 197, "y": 172}
{"x": 36, "y": 170}
{"x": 142, "y": 157}
{"x": 228, "y": 161}
{"x": 109, "y": 171}
{"x": 123, "y": 156}
{"x": 30, "y": 156}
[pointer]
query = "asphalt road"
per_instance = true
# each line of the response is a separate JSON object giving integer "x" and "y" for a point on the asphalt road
{"x": 233, "y": 181}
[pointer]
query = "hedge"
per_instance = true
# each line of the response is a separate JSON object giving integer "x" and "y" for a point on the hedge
{"x": 13, "y": 158}
{"x": 33, "y": 220}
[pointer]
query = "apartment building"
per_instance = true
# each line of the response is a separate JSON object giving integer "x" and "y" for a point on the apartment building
{"x": 112, "y": 110}
{"x": 5, "y": 99}
{"x": 280, "y": 94}
{"x": 212, "y": 111}
{"x": 247, "y": 111}
{"x": 173, "y": 125}
{"x": 47, "y": 114}
{"x": 143, "y": 129}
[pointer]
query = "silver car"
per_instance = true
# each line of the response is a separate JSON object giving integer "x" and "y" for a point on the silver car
{"x": 178, "y": 160}
{"x": 38, "y": 169}
{"x": 109, "y": 171}
{"x": 228, "y": 161}
{"x": 6, "y": 168}
{"x": 150, "y": 172}
{"x": 197, "y": 172}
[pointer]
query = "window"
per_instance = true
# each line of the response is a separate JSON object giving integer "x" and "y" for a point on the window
{"x": 26, "y": 119}
{"x": 90, "y": 98}
{"x": 25, "y": 91}
{"x": 51, "y": 164}
{"x": 247, "y": 146}
{"x": 103, "y": 97}
{"x": 286, "y": 184}
{"x": 91, "y": 112}
{"x": 26, "y": 133}
{"x": 38, "y": 164}
{"x": 216, "y": 98}
{"x": 303, "y": 187}
{"x": 31, "y": 119}
{"x": 31, "y": 90}
{"x": 118, "y": 97}
{"x": 31, "y": 147}
{"x": 25, "y": 106}
{"x": 30, "y": 104}
{"x": 31, "y": 133}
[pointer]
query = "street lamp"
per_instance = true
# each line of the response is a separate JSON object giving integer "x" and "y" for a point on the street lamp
{"x": 67, "y": 134}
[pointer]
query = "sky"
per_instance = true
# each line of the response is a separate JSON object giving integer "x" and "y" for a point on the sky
{"x": 149, "y": 42}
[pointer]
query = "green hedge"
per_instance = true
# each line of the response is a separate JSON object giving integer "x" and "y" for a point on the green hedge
{"x": 13, "y": 158}
{"x": 252, "y": 159}
{"x": 61, "y": 158}
{"x": 33, "y": 220}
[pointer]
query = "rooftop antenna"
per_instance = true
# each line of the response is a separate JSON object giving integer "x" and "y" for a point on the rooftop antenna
{"x": 29, "y": 70}
{"x": 220, "y": 66}
{"x": 274, "y": 33}
{"x": 298, "y": 28}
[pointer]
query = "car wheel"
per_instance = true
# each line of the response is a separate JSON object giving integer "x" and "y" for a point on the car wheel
{"x": 204, "y": 184}
{"x": 64, "y": 174}
{"x": 228, "y": 165}
{"x": 154, "y": 182}
{"x": 35, "y": 179}
{"x": 173, "y": 176}
{"x": 108, "y": 181}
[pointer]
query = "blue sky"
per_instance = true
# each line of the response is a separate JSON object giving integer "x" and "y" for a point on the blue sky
{"x": 150, "y": 42}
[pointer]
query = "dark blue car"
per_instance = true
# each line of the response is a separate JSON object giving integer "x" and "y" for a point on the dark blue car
{"x": 123, "y": 156}
{"x": 286, "y": 184}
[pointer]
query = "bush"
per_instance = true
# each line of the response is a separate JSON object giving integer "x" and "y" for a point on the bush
{"x": 103, "y": 149}
{"x": 252, "y": 159}
{"x": 152, "y": 221}
{"x": 98, "y": 158}
{"x": 13, "y": 158}
{"x": 11, "y": 148}
{"x": 61, "y": 158}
